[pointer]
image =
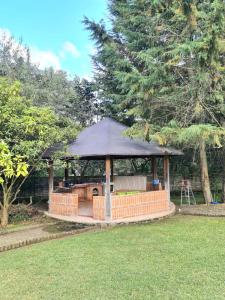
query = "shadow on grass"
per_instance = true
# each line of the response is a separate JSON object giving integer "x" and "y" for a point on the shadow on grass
{"x": 64, "y": 227}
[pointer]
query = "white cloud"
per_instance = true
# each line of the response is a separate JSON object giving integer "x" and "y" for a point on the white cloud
{"x": 40, "y": 57}
{"x": 70, "y": 48}
{"x": 44, "y": 59}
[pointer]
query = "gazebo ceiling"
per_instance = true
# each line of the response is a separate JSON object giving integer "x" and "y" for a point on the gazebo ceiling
{"x": 106, "y": 138}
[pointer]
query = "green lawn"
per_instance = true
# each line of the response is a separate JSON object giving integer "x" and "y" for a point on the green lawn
{"x": 179, "y": 258}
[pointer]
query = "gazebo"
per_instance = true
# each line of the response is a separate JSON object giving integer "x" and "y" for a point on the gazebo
{"x": 116, "y": 198}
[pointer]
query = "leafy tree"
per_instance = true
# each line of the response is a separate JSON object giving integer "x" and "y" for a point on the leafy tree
{"x": 26, "y": 131}
{"x": 194, "y": 136}
{"x": 12, "y": 167}
{"x": 163, "y": 61}
{"x": 72, "y": 98}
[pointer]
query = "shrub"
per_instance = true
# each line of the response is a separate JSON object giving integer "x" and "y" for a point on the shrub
{"x": 22, "y": 212}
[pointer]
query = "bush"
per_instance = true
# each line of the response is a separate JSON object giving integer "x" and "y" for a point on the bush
{"x": 22, "y": 212}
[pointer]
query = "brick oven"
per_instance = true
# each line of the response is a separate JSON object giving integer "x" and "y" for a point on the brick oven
{"x": 86, "y": 191}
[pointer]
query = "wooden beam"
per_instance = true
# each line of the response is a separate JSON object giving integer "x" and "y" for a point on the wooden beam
{"x": 107, "y": 188}
{"x": 50, "y": 178}
{"x": 166, "y": 173}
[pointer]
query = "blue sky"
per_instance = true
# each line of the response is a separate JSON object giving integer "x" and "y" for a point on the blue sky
{"x": 53, "y": 30}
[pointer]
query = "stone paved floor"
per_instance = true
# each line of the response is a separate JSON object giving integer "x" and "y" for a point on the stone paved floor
{"x": 203, "y": 209}
{"x": 85, "y": 208}
{"x": 23, "y": 235}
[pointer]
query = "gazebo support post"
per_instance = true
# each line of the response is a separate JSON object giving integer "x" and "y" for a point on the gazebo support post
{"x": 50, "y": 178}
{"x": 107, "y": 188}
{"x": 166, "y": 175}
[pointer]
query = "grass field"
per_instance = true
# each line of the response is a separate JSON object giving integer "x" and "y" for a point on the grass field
{"x": 178, "y": 258}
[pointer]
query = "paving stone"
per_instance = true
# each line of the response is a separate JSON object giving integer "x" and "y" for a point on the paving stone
{"x": 22, "y": 236}
{"x": 203, "y": 210}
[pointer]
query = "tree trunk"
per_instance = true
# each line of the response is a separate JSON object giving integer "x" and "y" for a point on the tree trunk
{"x": 4, "y": 216}
{"x": 223, "y": 177}
{"x": 223, "y": 162}
{"x": 204, "y": 173}
{"x": 5, "y": 207}
{"x": 223, "y": 188}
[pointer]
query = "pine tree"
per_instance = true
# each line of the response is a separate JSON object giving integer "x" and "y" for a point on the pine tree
{"x": 83, "y": 106}
{"x": 163, "y": 61}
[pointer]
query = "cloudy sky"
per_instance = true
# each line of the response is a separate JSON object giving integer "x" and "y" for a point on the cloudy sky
{"x": 53, "y": 30}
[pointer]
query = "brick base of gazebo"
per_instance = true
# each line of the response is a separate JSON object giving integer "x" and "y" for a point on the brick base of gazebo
{"x": 122, "y": 206}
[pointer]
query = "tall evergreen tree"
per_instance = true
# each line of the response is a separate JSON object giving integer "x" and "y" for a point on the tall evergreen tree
{"x": 163, "y": 61}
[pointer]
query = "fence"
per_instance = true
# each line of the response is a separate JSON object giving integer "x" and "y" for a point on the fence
{"x": 37, "y": 187}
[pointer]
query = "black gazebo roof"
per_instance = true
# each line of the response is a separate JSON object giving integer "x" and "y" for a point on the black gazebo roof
{"x": 106, "y": 138}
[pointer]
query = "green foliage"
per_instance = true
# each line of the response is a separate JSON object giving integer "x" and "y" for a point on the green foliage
{"x": 26, "y": 131}
{"x": 69, "y": 98}
{"x": 191, "y": 136}
{"x": 163, "y": 60}
{"x": 142, "y": 130}
{"x": 83, "y": 105}
{"x": 11, "y": 165}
